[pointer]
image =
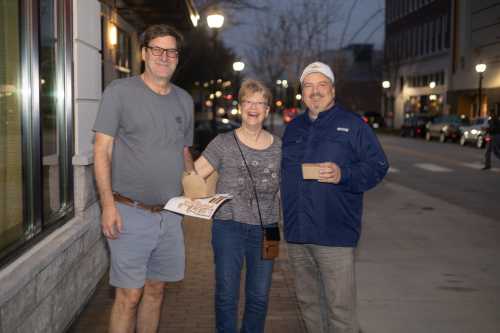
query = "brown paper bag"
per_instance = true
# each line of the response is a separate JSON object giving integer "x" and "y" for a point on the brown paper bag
{"x": 195, "y": 187}
{"x": 310, "y": 171}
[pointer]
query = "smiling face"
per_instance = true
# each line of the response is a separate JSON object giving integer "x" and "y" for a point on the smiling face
{"x": 160, "y": 67}
{"x": 254, "y": 109}
{"x": 318, "y": 92}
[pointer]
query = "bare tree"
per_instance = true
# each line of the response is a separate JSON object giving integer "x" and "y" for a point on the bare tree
{"x": 289, "y": 38}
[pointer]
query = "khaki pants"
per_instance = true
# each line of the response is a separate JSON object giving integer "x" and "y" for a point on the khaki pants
{"x": 325, "y": 287}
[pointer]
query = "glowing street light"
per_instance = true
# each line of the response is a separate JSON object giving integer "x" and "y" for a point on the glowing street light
{"x": 215, "y": 21}
{"x": 432, "y": 84}
{"x": 481, "y": 68}
{"x": 386, "y": 84}
{"x": 238, "y": 66}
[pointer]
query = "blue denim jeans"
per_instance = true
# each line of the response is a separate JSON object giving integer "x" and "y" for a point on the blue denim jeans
{"x": 233, "y": 244}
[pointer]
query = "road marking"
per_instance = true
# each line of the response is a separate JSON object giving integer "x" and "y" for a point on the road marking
{"x": 475, "y": 165}
{"x": 479, "y": 166}
{"x": 393, "y": 170}
{"x": 432, "y": 167}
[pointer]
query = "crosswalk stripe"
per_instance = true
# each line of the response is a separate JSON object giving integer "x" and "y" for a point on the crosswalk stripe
{"x": 432, "y": 167}
{"x": 478, "y": 166}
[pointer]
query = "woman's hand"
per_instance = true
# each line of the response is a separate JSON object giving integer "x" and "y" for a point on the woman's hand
{"x": 203, "y": 168}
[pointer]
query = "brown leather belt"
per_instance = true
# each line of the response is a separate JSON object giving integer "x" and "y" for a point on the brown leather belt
{"x": 132, "y": 203}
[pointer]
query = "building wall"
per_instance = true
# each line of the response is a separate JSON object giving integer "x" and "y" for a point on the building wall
{"x": 477, "y": 41}
{"x": 45, "y": 288}
{"x": 417, "y": 45}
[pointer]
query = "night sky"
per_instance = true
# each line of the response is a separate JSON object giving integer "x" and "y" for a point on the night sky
{"x": 239, "y": 37}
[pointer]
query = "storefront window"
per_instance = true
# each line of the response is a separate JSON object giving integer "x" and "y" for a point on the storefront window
{"x": 49, "y": 108}
{"x": 123, "y": 57}
{"x": 11, "y": 181}
{"x": 35, "y": 121}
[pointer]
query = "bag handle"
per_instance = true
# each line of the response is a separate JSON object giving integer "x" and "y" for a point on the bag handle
{"x": 251, "y": 178}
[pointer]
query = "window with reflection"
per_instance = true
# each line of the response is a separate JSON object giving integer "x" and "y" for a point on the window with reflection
{"x": 11, "y": 181}
{"x": 35, "y": 121}
{"x": 49, "y": 87}
{"x": 123, "y": 61}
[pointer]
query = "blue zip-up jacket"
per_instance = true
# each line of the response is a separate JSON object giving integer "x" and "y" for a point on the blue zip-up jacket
{"x": 325, "y": 213}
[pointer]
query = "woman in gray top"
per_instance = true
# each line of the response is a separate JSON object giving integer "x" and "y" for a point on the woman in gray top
{"x": 237, "y": 230}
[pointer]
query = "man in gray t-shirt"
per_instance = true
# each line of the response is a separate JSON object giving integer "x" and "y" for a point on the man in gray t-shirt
{"x": 143, "y": 130}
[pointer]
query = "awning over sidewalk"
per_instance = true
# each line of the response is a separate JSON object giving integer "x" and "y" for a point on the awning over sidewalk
{"x": 180, "y": 13}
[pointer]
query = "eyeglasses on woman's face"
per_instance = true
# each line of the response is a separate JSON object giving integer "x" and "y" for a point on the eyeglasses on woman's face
{"x": 247, "y": 104}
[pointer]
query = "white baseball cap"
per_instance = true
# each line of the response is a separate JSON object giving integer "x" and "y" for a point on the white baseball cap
{"x": 318, "y": 67}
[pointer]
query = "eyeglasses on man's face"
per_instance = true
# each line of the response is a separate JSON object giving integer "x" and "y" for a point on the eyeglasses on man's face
{"x": 247, "y": 104}
{"x": 159, "y": 51}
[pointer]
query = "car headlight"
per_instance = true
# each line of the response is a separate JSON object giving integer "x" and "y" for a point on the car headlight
{"x": 474, "y": 132}
{"x": 445, "y": 128}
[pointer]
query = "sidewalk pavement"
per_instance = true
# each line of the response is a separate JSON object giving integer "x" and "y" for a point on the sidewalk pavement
{"x": 189, "y": 305}
{"x": 423, "y": 265}
{"x": 426, "y": 266}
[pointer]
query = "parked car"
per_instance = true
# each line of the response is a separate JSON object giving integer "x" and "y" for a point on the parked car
{"x": 414, "y": 125}
{"x": 475, "y": 133}
{"x": 445, "y": 127}
{"x": 374, "y": 119}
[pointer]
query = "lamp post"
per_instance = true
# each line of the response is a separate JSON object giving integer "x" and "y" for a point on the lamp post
{"x": 238, "y": 66}
{"x": 480, "y": 68}
{"x": 215, "y": 21}
{"x": 386, "y": 85}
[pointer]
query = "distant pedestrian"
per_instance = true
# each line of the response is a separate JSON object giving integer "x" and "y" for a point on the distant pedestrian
{"x": 248, "y": 162}
{"x": 493, "y": 145}
{"x": 143, "y": 130}
{"x": 330, "y": 157}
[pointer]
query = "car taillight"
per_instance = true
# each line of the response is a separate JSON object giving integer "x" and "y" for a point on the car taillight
{"x": 365, "y": 119}
{"x": 419, "y": 130}
{"x": 487, "y": 138}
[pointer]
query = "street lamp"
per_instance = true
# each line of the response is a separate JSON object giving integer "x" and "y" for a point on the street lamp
{"x": 387, "y": 85}
{"x": 238, "y": 66}
{"x": 215, "y": 21}
{"x": 480, "y": 69}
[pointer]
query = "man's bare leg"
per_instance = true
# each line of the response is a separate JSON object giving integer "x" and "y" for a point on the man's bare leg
{"x": 148, "y": 316}
{"x": 124, "y": 311}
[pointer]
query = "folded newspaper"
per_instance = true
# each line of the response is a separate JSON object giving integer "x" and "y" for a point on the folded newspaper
{"x": 202, "y": 208}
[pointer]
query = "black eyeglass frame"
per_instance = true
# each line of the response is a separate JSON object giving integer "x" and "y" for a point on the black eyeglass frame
{"x": 171, "y": 53}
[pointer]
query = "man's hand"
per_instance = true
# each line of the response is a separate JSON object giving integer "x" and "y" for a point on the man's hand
{"x": 111, "y": 222}
{"x": 329, "y": 172}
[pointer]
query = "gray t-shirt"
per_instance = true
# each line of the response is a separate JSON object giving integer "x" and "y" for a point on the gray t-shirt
{"x": 224, "y": 156}
{"x": 150, "y": 132}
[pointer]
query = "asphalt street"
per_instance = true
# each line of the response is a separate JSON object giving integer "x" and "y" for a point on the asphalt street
{"x": 446, "y": 171}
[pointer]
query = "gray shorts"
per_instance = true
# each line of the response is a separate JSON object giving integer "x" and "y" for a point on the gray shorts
{"x": 150, "y": 246}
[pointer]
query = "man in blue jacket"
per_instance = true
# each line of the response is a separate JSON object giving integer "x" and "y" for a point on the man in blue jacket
{"x": 323, "y": 200}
